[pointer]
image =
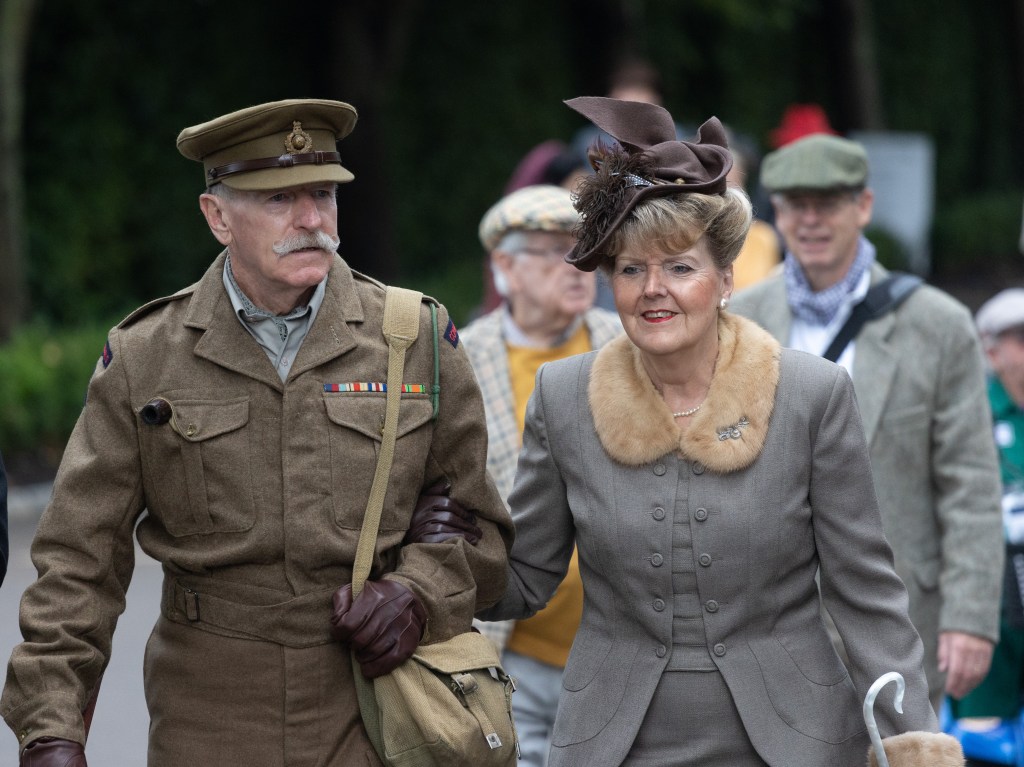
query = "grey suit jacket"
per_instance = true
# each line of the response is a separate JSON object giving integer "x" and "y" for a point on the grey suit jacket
{"x": 919, "y": 378}
{"x": 805, "y": 500}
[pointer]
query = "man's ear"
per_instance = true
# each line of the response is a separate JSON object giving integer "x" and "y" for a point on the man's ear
{"x": 865, "y": 205}
{"x": 213, "y": 208}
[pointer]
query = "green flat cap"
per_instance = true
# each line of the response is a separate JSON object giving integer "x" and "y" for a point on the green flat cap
{"x": 273, "y": 145}
{"x": 815, "y": 163}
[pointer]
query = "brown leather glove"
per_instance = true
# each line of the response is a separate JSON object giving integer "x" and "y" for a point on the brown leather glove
{"x": 53, "y": 752}
{"x": 438, "y": 518}
{"x": 383, "y": 626}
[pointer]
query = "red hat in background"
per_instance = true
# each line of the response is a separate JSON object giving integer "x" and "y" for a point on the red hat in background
{"x": 800, "y": 120}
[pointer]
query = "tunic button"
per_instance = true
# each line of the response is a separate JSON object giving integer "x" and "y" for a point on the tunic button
{"x": 705, "y": 560}
{"x": 659, "y": 469}
{"x": 660, "y": 652}
{"x": 698, "y": 467}
{"x": 719, "y": 650}
{"x": 657, "y": 560}
{"x": 659, "y": 605}
{"x": 700, "y": 514}
{"x": 190, "y": 430}
{"x": 659, "y": 513}
{"x": 711, "y": 606}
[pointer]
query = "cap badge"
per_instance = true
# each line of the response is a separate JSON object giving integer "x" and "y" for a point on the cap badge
{"x": 298, "y": 141}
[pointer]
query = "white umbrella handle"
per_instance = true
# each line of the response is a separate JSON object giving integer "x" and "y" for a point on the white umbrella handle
{"x": 869, "y": 713}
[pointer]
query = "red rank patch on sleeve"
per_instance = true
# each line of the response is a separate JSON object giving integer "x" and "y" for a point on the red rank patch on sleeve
{"x": 108, "y": 354}
{"x": 452, "y": 335}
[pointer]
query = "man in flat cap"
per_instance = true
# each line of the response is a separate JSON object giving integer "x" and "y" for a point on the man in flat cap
{"x": 1000, "y": 321}
{"x": 918, "y": 372}
{"x": 546, "y": 313}
{"x": 234, "y": 428}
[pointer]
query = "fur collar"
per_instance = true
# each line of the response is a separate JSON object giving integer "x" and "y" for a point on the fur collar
{"x": 636, "y": 427}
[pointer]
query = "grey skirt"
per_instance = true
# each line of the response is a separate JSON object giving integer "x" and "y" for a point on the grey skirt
{"x": 692, "y": 720}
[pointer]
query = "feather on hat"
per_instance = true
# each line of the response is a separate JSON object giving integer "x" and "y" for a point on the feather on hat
{"x": 648, "y": 161}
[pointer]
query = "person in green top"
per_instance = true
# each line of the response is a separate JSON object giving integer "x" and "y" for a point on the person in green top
{"x": 1000, "y": 322}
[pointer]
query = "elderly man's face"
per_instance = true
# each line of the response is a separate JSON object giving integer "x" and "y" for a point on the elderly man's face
{"x": 281, "y": 241}
{"x": 1006, "y": 356}
{"x": 542, "y": 287}
{"x": 822, "y": 230}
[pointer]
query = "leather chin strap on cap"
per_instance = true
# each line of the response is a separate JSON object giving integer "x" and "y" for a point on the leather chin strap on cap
{"x": 284, "y": 161}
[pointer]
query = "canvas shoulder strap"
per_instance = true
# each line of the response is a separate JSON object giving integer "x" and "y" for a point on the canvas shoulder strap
{"x": 401, "y": 327}
{"x": 880, "y": 299}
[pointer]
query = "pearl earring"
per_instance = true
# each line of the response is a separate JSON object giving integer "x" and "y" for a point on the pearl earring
{"x": 724, "y": 302}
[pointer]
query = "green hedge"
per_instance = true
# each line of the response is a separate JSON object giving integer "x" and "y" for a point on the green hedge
{"x": 978, "y": 231}
{"x": 44, "y": 374}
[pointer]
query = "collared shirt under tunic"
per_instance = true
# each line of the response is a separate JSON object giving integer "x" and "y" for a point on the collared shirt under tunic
{"x": 280, "y": 336}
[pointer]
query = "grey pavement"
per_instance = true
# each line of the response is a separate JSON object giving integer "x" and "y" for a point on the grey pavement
{"x": 121, "y": 722}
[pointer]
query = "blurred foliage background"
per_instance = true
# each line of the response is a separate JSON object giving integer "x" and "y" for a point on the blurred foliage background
{"x": 98, "y": 211}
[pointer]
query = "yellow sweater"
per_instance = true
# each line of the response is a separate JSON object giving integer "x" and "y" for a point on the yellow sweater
{"x": 548, "y": 635}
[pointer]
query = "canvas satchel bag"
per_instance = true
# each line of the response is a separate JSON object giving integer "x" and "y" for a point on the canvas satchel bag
{"x": 450, "y": 704}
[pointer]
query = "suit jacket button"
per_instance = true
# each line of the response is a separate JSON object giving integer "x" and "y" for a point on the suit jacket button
{"x": 700, "y": 514}
{"x": 657, "y": 560}
{"x": 719, "y": 650}
{"x": 711, "y": 606}
{"x": 698, "y": 467}
{"x": 659, "y": 469}
{"x": 705, "y": 560}
{"x": 659, "y": 513}
{"x": 659, "y": 605}
{"x": 661, "y": 651}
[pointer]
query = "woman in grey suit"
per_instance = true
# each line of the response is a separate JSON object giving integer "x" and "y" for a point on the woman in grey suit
{"x": 706, "y": 476}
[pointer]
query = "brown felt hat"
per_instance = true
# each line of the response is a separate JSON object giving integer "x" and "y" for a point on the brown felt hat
{"x": 273, "y": 145}
{"x": 649, "y": 161}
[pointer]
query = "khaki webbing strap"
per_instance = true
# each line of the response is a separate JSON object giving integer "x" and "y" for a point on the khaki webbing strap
{"x": 401, "y": 327}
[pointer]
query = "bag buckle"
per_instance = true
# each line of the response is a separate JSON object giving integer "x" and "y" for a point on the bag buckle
{"x": 465, "y": 683}
{"x": 493, "y": 740}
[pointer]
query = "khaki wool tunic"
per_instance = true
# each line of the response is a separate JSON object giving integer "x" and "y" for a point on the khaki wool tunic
{"x": 251, "y": 497}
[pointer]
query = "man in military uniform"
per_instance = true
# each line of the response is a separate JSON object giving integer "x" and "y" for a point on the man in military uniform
{"x": 235, "y": 427}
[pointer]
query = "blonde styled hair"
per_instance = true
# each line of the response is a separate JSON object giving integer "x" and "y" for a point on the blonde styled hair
{"x": 673, "y": 224}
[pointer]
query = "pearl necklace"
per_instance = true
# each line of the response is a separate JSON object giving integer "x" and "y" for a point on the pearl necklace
{"x": 687, "y": 413}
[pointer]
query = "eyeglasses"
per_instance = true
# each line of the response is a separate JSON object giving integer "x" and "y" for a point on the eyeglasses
{"x": 821, "y": 204}
{"x": 551, "y": 254}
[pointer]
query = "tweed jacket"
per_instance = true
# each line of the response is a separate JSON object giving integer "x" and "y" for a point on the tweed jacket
{"x": 254, "y": 493}
{"x": 919, "y": 377}
{"x": 485, "y": 346}
{"x": 772, "y": 477}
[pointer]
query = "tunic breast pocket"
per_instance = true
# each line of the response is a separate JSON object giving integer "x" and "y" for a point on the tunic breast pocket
{"x": 356, "y": 431}
{"x": 196, "y": 467}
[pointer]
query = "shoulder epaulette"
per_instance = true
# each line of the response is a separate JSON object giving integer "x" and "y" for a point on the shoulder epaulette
{"x": 367, "y": 278}
{"x": 146, "y": 308}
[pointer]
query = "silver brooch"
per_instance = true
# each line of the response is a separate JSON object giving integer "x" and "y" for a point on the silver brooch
{"x": 733, "y": 432}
